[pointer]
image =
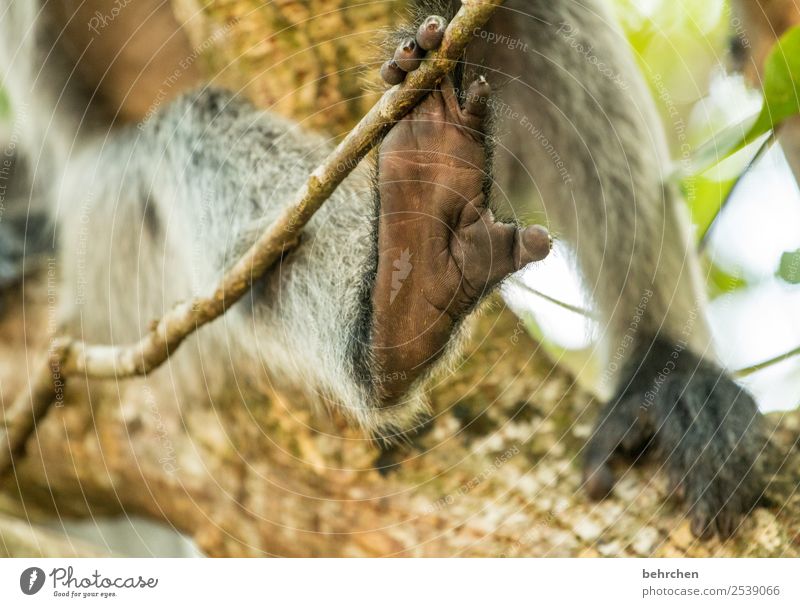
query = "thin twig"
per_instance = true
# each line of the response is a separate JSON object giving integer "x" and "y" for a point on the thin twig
{"x": 746, "y": 371}
{"x": 767, "y": 363}
{"x": 106, "y": 362}
{"x": 762, "y": 149}
{"x": 521, "y": 284}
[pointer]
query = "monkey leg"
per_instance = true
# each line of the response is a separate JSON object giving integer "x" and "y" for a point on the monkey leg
{"x": 440, "y": 249}
{"x": 703, "y": 427}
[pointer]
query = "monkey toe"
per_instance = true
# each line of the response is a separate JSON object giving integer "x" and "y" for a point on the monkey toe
{"x": 471, "y": 116}
{"x": 598, "y": 480}
{"x": 408, "y": 55}
{"x": 710, "y": 517}
{"x": 620, "y": 432}
{"x": 431, "y": 32}
{"x": 534, "y": 244}
{"x": 391, "y": 73}
{"x": 512, "y": 248}
{"x": 477, "y": 98}
{"x": 491, "y": 250}
{"x": 411, "y": 51}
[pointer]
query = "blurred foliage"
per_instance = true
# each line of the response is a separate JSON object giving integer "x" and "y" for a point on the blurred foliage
{"x": 720, "y": 281}
{"x": 715, "y": 124}
{"x": 712, "y": 188}
{"x": 681, "y": 46}
{"x": 678, "y": 45}
{"x": 781, "y": 84}
{"x": 789, "y": 269}
{"x": 706, "y": 195}
{"x": 781, "y": 93}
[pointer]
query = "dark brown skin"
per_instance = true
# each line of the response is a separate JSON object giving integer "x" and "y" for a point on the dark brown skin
{"x": 440, "y": 250}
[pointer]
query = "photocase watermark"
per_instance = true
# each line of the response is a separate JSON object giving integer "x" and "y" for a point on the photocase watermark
{"x": 6, "y": 165}
{"x": 184, "y": 64}
{"x": 7, "y": 161}
{"x": 739, "y": 31}
{"x": 789, "y": 267}
{"x": 466, "y": 487}
{"x": 388, "y": 378}
{"x": 681, "y": 343}
{"x": 168, "y": 460}
{"x": 679, "y": 128}
{"x": 514, "y": 44}
{"x": 567, "y": 31}
{"x": 402, "y": 268}
{"x": 519, "y": 329}
{"x": 198, "y": 254}
{"x": 501, "y": 109}
{"x": 31, "y": 580}
{"x": 347, "y": 165}
{"x": 52, "y": 328}
{"x": 739, "y": 43}
{"x": 101, "y": 20}
{"x": 66, "y": 584}
{"x": 80, "y": 254}
{"x": 532, "y": 536}
{"x": 549, "y": 149}
{"x": 628, "y": 338}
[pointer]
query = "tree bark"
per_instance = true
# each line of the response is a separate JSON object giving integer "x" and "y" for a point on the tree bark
{"x": 312, "y": 60}
{"x": 497, "y": 472}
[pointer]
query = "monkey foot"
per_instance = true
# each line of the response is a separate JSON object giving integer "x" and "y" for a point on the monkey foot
{"x": 702, "y": 426}
{"x": 440, "y": 249}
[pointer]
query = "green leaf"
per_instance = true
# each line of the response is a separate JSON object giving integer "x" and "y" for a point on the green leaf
{"x": 705, "y": 197}
{"x": 789, "y": 269}
{"x": 720, "y": 281}
{"x": 721, "y": 146}
{"x": 781, "y": 101}
{"x": 781, "y": 84}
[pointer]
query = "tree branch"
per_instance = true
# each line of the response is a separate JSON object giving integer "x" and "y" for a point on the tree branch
{"x": 72, "y": 358}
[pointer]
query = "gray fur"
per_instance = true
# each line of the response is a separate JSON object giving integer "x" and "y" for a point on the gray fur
{"x": 222, "y": 172}
{"x": 148, "y": 217}
{"x": 607, "y": 200}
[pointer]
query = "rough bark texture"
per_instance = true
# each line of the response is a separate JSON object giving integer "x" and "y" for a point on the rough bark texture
{"x": 313, "y": 60}
{"x": 497, "y": 473}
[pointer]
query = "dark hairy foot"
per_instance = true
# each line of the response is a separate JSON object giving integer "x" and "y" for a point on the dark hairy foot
{"x": 440, "y": 249}
{"x": 703, "y": 427}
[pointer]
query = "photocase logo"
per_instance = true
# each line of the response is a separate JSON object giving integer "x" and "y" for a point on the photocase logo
{"x": 31, "y": 580}
{"x": 402, "y": 268}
